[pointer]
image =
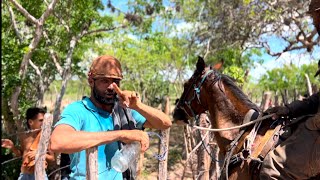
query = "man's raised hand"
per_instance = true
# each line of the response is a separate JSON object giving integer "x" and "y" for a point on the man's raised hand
{"x": 127, "y": 98}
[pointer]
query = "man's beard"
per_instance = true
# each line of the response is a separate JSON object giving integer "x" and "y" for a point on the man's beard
{"x": 101, "y": 99}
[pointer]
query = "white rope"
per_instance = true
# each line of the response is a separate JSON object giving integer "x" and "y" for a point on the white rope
{"x": 235, "y": 127}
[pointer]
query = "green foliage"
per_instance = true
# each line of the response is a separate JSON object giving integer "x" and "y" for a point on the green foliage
{"x": 236, "y": 63}
{"x": 11, "y": 169}
{"x": 149, "y": 62}
{"x": 289, "y": 77}
{"x": 174, "y": 156}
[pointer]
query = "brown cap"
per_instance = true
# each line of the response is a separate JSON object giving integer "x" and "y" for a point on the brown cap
{"x": 105, "y": 66}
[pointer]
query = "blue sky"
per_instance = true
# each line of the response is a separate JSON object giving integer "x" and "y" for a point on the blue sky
{"x": 298, "y": 57}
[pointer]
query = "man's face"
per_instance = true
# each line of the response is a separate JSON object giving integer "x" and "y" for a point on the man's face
{"x": 36, "y": 123}
{"x": 103, "y": 90}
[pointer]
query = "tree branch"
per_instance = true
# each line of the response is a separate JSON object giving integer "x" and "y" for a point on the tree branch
{"x": 36, "y": 68}
{"x": 52, "y": 54}
{"x": 24, "y": 12}
{"x": 48, "y": 11}
{"x": 14, "y": 23}
{"x": 103, "y": 30}
{"x": 63, "y": 22}
{"x": 34, "y": 43}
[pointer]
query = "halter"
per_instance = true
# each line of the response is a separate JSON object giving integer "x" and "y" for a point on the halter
{"x": 197, "y": 93}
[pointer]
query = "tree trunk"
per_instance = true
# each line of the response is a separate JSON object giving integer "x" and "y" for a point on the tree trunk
{"x": 66, "y": 75}
{"x": 24, "y": 63}
{"x": 8, "y": 122}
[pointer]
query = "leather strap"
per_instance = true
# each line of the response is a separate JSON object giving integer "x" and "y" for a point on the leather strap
{"x": 267, "y": 142}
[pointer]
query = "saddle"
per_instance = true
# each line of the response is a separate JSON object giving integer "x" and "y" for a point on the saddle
{"x": 28, "y": 162}
{"x": 237, "y": 154}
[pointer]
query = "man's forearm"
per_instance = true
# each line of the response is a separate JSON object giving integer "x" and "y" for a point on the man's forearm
{"x": 65, "y": 139}
{"x": 304, "y": 107}
{"x": 80, "y": 140}
{"x": 156, "y": 118}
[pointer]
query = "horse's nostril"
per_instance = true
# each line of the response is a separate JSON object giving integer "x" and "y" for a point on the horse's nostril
{"x": 180, "y": 116}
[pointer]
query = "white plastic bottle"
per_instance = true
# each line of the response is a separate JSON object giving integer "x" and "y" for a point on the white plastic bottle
{"x": 123, "y": 158}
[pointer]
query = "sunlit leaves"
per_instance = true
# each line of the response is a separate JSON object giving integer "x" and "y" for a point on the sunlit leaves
{"x": 289, "y": 77}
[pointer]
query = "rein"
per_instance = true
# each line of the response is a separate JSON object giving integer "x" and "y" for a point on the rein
{"x": 192, "y": 97}
{"x": 235, "y": 127}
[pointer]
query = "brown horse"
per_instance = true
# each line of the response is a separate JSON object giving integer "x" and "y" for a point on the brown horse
{"x": 208, "y": 90}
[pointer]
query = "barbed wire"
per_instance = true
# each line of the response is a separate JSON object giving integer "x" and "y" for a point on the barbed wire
{"x": 24, "y": 132}
{"x": 13, "y": 159}
{"x": 58, "y": 170}
{"x": 28, "y": 131}
{"x": 160, "y": 157}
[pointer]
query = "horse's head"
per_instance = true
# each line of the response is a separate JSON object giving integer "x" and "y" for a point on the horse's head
{"x": 192, "y": 102}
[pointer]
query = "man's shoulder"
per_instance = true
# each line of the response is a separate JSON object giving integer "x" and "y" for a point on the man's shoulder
{"x": 75, "y": 104}
{"x": 26, "y": 141}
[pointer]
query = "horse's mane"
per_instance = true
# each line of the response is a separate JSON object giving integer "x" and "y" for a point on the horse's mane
{"x": 230, "y": 82}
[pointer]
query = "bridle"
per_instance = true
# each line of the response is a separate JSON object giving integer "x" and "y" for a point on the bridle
{"x": 196, "y": 93}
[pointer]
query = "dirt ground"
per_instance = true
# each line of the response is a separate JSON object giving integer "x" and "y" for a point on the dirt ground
{"x": 175, "y": 173}
{"x": 176, "y": 157}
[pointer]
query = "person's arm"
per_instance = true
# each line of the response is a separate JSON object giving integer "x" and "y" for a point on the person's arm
{"x": 304, "y": 107}
{"x": 155, "y": 118}
{"x": 296, "y": 108}
{"x": 7, "y": 143}
{"x": 65, "y": 139}
{"x": 50, "y": 156}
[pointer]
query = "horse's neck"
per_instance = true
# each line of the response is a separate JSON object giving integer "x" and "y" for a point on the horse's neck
{"x": 220, "y": 119}
{"x": 226, "y": 111}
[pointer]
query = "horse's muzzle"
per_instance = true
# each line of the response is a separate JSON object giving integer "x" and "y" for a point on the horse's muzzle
{"x": 180, "y": 116}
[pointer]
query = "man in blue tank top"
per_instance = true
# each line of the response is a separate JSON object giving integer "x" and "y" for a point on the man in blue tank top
{"x": 109, "y": 117}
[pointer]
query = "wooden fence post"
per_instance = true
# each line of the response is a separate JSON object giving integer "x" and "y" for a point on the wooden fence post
{"x": 165, "y": 138}
{"x": 266, "y": 101}
{"x": 40, "y": 158}
{"x": 204, "y": 159}
{"x": 92, "y": 163}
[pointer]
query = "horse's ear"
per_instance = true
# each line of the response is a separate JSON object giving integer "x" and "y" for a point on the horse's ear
{"x": 200, "y": 64}
{"x": 218, "y": 65}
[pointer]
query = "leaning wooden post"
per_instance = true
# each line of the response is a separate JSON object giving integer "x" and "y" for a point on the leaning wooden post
{"x": 308, "y": 85}
{"x": 92, "y": 163}
{"x": 40, "y": 158}
{"x": 165, "y": 142}
{"x": 267, "y": 98}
